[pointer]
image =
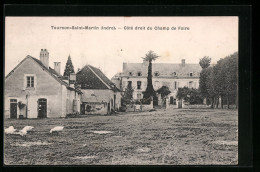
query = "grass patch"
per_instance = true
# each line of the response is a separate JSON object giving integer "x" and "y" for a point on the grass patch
{"x": 162, "y": 137}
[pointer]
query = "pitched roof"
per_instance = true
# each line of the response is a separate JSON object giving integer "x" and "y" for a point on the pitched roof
{"x": 49, "y": 70}
{"x": 91, "y": 77}
{"x": 164, "y": 69}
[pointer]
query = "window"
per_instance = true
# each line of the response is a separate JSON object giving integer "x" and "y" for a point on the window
{"x": 190, "y": 74}
{"x": 156, "y": 73}
{"x": 30, "y": 81}
{"x": 139, "y": 96}
{"x": 130, "y": 73}
{"x": 139, "y": 84}
{"x": 175, "y": 85}
{"x": 174, "y": 73}
{"x": 129, "y": 84}
{"x": 191, "y": 84}
{"x": 139, "y": 74}
{"x": 13, "y": 100}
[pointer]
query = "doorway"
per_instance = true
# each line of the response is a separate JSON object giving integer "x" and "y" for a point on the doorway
{"x": 13, "y": 108}
{"x": 171, "y": 100}
{"x": 155, "y": 101}
{"x": 180, "y": 104}
{"x": 42, "y": 108}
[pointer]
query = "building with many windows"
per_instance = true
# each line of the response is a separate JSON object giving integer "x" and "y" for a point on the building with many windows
{"x": 173, "y": 76}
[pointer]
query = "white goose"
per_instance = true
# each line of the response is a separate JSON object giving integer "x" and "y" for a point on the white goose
{"x": 56, "y": 129}
{"x": 10, "y": 130}
{"x": 25, "y": 130}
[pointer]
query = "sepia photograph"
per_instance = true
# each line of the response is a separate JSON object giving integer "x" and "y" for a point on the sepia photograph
{"x": 121, "y": 90}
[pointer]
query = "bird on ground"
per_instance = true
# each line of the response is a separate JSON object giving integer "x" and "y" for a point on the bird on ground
{"x": 10, "y": 130}
{"x": 56, "y": 129}
{"x": 28, "y": 128}
{"x": 25, "y": 130}
{"x": 22, "y": 132}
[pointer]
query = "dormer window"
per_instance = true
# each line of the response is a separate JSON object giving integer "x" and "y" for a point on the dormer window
{"x": 130, "y": 73}
{"x": 139, "y": 74}
{"x": 156, "y": 73}
{"x": 190, "y": 74}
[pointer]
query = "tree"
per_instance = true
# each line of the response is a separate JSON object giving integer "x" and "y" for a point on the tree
{"x": 127, "y": 95}
{"x": 205, "y": 62}
{"x": 149, "y": 92}
{"x": 69, "y": 68}
{"x": 231, "y": 78}
{"x": 220, "y": 81}
{"x": 164, "y": 91}
{"x": 190, "y": 95}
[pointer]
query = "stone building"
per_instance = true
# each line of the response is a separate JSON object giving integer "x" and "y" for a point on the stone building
{"x": 173, "y": 76}
{"x": 100, "y": 95}
{"x": 35, "y": 90}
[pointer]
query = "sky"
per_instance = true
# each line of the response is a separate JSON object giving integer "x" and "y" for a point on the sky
{"x": 107, "y": 49}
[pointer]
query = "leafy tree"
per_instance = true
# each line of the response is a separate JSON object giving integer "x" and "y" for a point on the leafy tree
{"x": 205, "y": 62}
{"x": 127, "y": 95}
{"x": 69, "y": 68}
{"x": 220, "y": 81}
{"x": 164, "y": 91}
{"x": 203, "y": 82}
{"x": 149, "y": 92}
{"x": 190, "y": 95}
{"x": 231, "y": 78}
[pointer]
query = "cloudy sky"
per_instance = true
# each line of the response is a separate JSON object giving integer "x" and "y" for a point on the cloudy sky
{"x": 216, "y": 37}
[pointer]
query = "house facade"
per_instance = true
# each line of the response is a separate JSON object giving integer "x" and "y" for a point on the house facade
{"x": 35, "y": 90}
{"x": 100, "y": 95}
{"x": 173, "y": 76}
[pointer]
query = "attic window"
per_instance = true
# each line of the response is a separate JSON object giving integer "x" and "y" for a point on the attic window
{"x": 156, "y": 73}
{"x": 139, "y": 74}
{"x": 190, "y": 74}
{"x": 130, "y": 73}
{"x": 174, "y": 73}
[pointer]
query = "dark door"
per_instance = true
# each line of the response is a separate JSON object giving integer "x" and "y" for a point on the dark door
{"x": 82, "y": 108}
{"x": 13, "y": 108}
{"x": 115, "y": 102}
{"x": 42, "y": 108}
{"x": 180, "y": 104}
{"x": 171, "y": 100}
{"x": 155, "y": 101}
{"x": 108, "y": 108}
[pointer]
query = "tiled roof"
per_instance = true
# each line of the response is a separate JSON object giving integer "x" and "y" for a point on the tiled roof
{"x": 57, "y": 76}
{"x": 164, "y": 69}
{"x": 91, "y": 77}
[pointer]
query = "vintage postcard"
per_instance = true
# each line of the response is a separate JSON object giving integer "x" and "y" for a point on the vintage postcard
{"x": 121, "y": 91}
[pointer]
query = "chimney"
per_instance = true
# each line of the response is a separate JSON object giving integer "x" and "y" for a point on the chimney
{"x": 72, "y": 80}
{"x": 124, "y": 67}
{"x": 44, "y": 57}
{"x": 183, "y": 62}
{"x": 57, "y": 67}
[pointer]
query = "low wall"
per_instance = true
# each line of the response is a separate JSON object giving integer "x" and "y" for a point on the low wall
{"x": 137, "y": 107}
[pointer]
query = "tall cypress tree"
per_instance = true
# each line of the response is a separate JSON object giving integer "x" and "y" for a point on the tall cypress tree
{"x": 149, "y": 92}
{"x": 69, "y": 68}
